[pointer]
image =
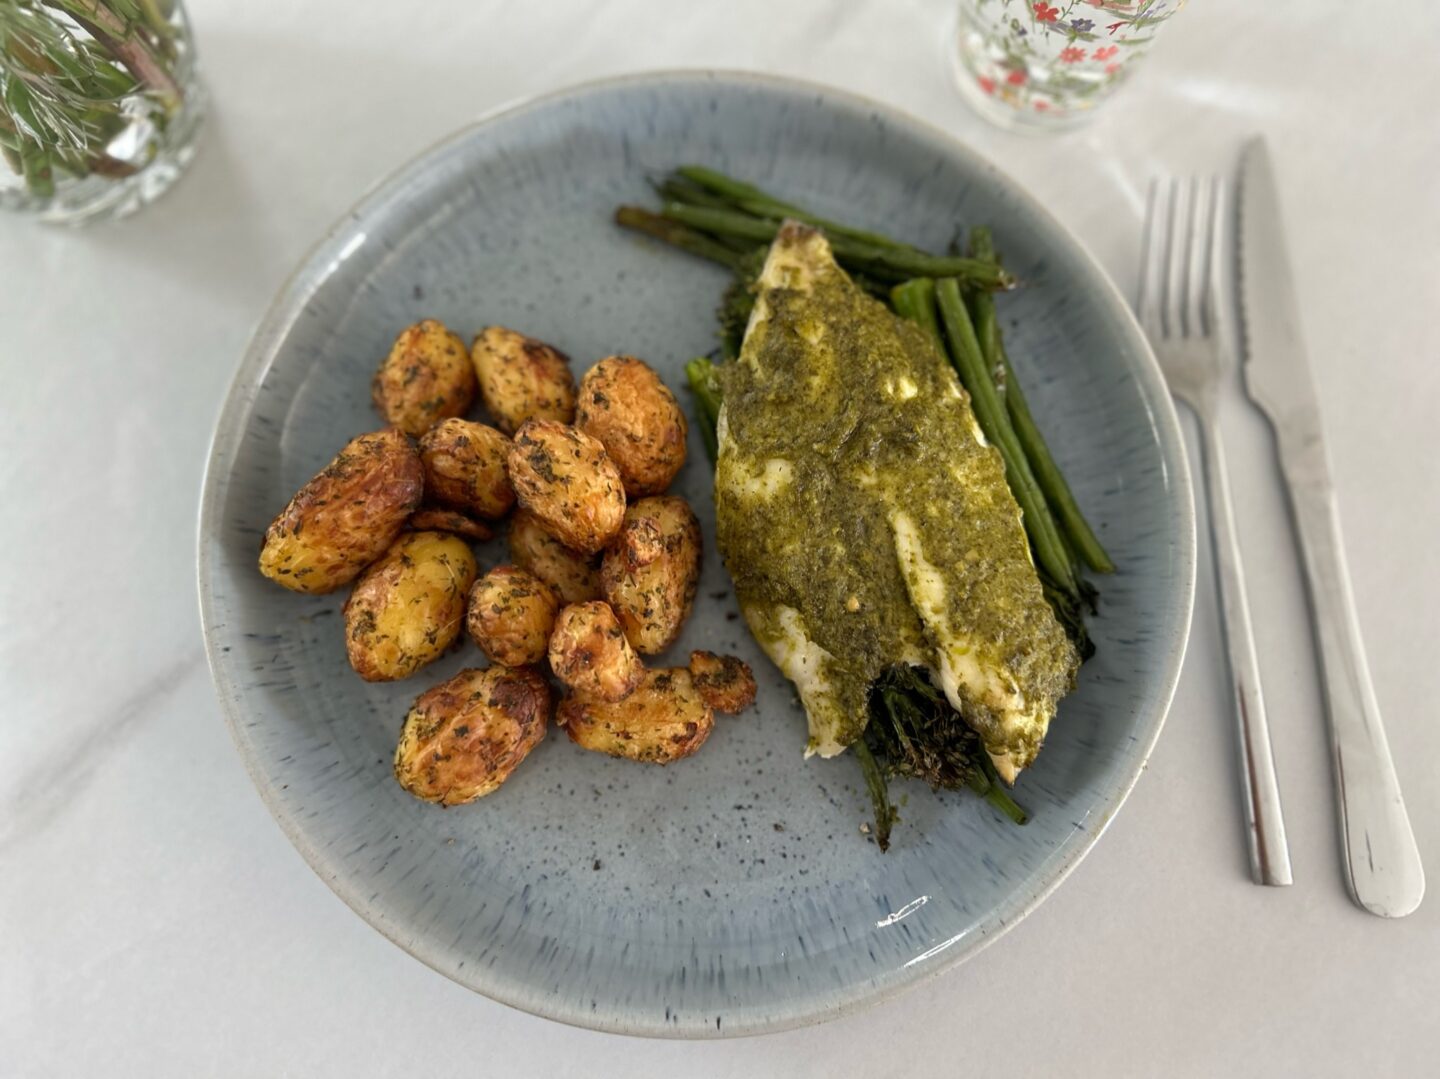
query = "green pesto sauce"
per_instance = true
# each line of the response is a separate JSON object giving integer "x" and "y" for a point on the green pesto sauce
{"x": 872, "y": 421}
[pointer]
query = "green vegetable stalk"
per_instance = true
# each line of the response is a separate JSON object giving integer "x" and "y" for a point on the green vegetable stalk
{"x": 703, "y": 384}
{"x": 1037, "y": 452}
{"x": 914, "y": 301}
{"x": 877, "y": 260}
{"x": 752, "y": 200}
{"x": 677, "y": 235}
{"x": 965, "y": 354}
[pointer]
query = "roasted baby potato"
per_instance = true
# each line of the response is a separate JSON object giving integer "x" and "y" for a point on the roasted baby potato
{"x": 664, "y": 719}
{"x": 427, "y": 377}
{"x": 589, "y": 653}
{"x": 463, "y": 738}
{"x": 573, "y": 576}
{"x": 651, "y": 571}
{"x": 522, "y": 379}
{"x": 511, "y": 615}
{"x": 407, "y": 608}
{"x": 439, "y": 519}
{"x": 725, "y": 683}
{"x": 566, "y": 479}
{"x": 465, "y": 467}
{"x": 624, "y": 405}
{"x": 345, "y": 518}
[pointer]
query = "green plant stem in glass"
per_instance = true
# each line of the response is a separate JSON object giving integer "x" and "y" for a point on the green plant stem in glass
{"x": 88, "y": 88}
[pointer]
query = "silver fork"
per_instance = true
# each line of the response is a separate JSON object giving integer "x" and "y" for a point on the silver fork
{"x": 1182, "y": 312}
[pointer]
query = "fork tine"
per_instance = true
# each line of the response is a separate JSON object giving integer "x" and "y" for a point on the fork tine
{"x": 1174, "y": 302}
{"x": 1214, "y": 273}
{"x": 1152, "y": 262}
{"x": 1197, "y": 252}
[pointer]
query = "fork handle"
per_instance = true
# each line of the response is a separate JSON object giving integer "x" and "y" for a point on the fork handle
{"x": 1269, "y": 851}
{"x": 1382, "y": 862}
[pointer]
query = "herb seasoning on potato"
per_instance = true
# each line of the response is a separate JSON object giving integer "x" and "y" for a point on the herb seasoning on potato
{"x": 522, "y": 379}
{"x": 573, "y": 576}
{"x": 662, "y": 720}
{"x": 346, "y": 516}
{"x": 407, "y": 608}
{"x": 574, "y": 543}
{"x": 633, "y": 414}
{"x": 463, "y": 738}
{"x": 590, "y": 655}
{"x": 651, "y": 571}
{"x": 725, "y": 682}
{"x": 427, "y": 377}
{"x": 465, "y": 467}
{"x": 510, "y": 616}
{"x": 566, "y": 479}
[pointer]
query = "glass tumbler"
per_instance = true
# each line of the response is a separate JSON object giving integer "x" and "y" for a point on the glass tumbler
{"x": 1044, "y": 66}
{"x": 99, "y": 105}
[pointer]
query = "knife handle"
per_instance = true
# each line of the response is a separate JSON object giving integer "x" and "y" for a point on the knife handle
{"x": 1265, "y": 823}
{"x": 1382, "y": 862}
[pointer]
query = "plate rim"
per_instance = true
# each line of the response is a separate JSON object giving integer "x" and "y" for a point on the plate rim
{"x": 284, "y": 310}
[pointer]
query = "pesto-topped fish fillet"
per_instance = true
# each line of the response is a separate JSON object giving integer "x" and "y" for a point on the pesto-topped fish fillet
{"x": 866, "y": 522}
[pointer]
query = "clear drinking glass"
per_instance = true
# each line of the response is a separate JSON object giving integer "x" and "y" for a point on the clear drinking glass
{"x": 99, "y": 105}
{"x": 1046, "y": 66}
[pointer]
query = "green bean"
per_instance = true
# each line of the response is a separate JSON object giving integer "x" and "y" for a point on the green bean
{"x": 1042, "y": 463}
{"x": 897, "y": 263}
{"x": 700, "y": 373}
{"x": 752, "y": 200}
{"x": 677, "y": 235}
{"x": 914, "y": 300}
{"x": 675, "y": 188}
{"x": 727, "y": 222}
{"x": 990, "y": 412}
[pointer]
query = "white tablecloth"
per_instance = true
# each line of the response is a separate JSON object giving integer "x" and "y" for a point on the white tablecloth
{"x": 155, "y": 922}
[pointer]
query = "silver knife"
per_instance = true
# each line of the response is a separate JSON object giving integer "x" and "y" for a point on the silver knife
{"x": 1382, "y": 863}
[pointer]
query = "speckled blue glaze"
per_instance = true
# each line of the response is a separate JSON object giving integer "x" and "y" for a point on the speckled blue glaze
{"x": 733, "y": 892}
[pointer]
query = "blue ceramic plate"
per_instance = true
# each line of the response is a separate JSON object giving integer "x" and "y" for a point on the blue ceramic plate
{"x": 733, "y": 892}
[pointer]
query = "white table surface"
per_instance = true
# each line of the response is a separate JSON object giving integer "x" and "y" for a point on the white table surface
{"x": 155, "y": 922}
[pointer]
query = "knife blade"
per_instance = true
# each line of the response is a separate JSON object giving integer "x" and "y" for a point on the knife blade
{"x": 1277, "y": 371}
{"x": 1382, "y": 862}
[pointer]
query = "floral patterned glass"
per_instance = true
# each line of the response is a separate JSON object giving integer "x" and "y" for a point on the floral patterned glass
{"x": 1041, "y": 65}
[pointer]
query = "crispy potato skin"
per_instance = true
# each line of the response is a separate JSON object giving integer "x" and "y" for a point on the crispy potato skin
{"x": 633, "y": 414}
{"x": 463, "y": 738}
{"x": 346, "y": 516}
{"x": 522, "y": 379}
{"x": 439, "y": 519}
{"x": 663, "y": 720}
{"x": 407, "y": 608}
{"x": 651, "y": 570}
{"x": 511, "y": 615}
{"x": 465, "y": 467}
{"x": 566, "y": 479}
{"x": 427, "y": 377}
{"x": 725, "y": 683}
{"x": 589, "y": 653}
{"x": 573, "y": 576}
